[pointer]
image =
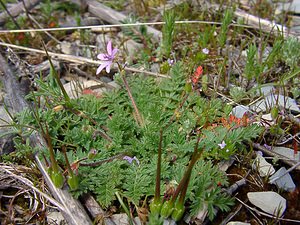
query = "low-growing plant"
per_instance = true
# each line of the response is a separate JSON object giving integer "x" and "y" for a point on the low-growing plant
{"x": 155, "y": 128}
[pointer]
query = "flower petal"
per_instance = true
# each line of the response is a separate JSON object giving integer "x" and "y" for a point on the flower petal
{"x": 222, "y": 145}
{"x": 101, "y": 67}
{"x": 102, "y": 56}
{"x": 137, "y": 161}
{"x": 109, "y": 48}
{"x": 108, "y": 66}
{"x": 128, "y": 159}
{"x": 114, "y": 52}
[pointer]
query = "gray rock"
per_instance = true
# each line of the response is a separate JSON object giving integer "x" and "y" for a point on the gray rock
{"x": 56, "y": 218}
{"x": 101, "y": 41}
{"x": 266, "y": 90}
{"x": 237, "y": 223}
{"x": 268, "y": 201}
{"x": 264, "y": 168}
{"x": 169, "y": 222}
{"x": 271, "y": 100}
{"x": 122, "y": 219}
{"x": 284, "y": 182}
{"x": 293, "y": 6}
{"x": 287, "y": 152}
{"x": 201, "y": 215}
{"x": 239, "y": 111}
{"x": 5, "y": 119}
{"x": 131, "y": 47}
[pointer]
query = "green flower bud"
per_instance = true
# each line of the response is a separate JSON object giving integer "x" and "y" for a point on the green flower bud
{"x": 155, "y": 206}
{"x": 73, "y": 182}
{"x": 167, "y": 209}
{"x": 178, "y": 211}
{"x": 58, "y": 179}
{"x": 92, "y": 154}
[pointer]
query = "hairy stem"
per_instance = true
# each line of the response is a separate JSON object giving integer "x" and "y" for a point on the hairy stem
{"x": 158, "y": 170}
{"x": 186, "y": 177}
{"x": 70, "y": 171}
{"x": 138, "y": 115}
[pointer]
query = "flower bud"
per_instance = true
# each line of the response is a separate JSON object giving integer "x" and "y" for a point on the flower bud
{"x": 57, "y": 179}
{"x": 155, "y": 206}
{"x": 73, "y": 182}
{"x": 167, "y": 209}
{"x": 92, "y": 154}
{"x": 178, "y": 211}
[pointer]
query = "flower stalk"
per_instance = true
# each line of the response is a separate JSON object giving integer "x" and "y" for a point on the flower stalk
{"x": 156, "y": 204}
{"x": 137, "y": 112}
{"x": 54, "y": 172}
{"x": 73, "y": 180}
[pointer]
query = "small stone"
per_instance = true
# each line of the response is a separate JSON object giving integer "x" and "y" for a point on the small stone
{"x": 287, "y": 152}
{"x": 101, "y": 41}
{"x": 5, "y": 118}
{"x": 240, "y": 110}
{"x": 266, "y": 90}
{"x": 122, "y": 219}
{"x": 169, "y": 222}
{"x": 237, "y": 223}
{"x": 268, "y": 201}
{"x": 55, "y": 218}
{"x": 68, "y": 48}
{"x": 285, "y": 182}
{"x": 271, "y": 100}
{"x": 264, "y": 168}
{"x": 131, "y": 48}
{"x": 74, "y": 88}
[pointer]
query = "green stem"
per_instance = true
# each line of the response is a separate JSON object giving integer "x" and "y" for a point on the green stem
{"x": 54, "y": 164}
{"x": 186, "y": 177}
{"x": 124, "y": 207}
{"x": 158, "y": 169}
{"x": 138, "y": 115}
{"x": 70, "y": 171}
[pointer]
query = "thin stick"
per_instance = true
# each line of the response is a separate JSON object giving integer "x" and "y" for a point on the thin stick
{"x": 284, "y": 29}
{"x": 114, "y": 25}
{"x": 77, "y": 59}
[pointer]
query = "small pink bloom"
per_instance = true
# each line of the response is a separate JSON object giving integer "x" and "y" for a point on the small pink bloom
{"x": 107, "y": 58}
{"x": 222, "y": 145}
{"x": 131, "y": 159}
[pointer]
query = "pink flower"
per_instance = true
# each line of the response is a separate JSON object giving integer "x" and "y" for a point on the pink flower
{"x": 222, "y": 145}
{"x": 107, "y": 59}
{"x": 130, "y": 160}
